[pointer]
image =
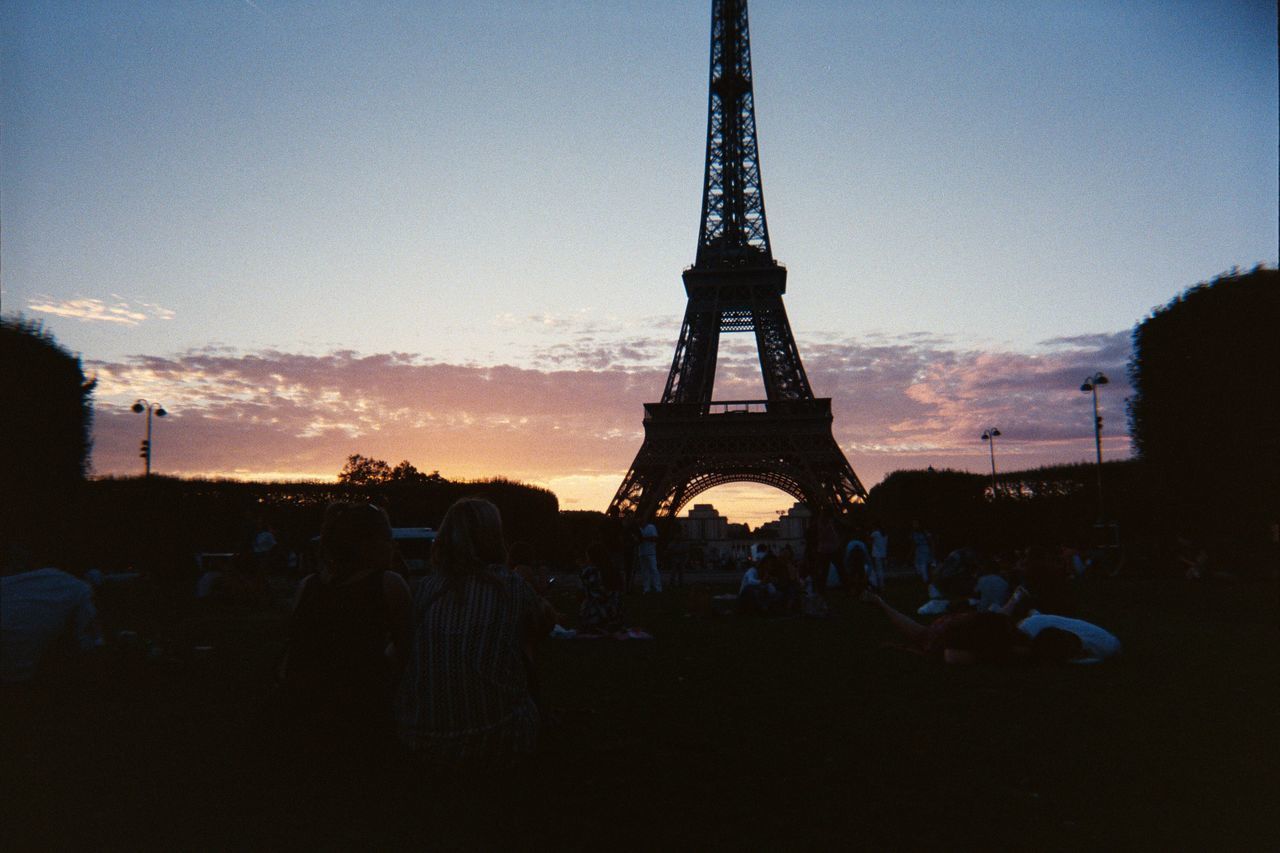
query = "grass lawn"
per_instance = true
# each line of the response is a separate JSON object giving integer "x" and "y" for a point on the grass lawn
{"x": 721, "y": 732}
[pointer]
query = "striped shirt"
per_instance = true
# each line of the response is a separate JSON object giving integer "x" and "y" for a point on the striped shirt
{"x": 465, "y": 697}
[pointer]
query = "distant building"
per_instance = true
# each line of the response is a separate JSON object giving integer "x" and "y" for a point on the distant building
{"x": 793, "y": 525}
{"x": 709, "y": 532}
{"x": 704, "y": 524}
{"x": 788, "y": 530}
{"x": 722, "y": 542}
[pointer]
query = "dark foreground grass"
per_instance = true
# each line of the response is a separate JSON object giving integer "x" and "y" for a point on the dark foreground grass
{"x": 729, "y": 732}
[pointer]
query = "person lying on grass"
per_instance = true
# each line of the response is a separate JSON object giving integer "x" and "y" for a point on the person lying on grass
{"x": 994, "y": 637}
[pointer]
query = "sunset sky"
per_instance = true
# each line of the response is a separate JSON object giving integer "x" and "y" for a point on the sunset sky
{"x": 453, "y": 232}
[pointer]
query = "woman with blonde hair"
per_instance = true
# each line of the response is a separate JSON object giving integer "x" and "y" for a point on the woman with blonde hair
{"x": 465, "y": 697}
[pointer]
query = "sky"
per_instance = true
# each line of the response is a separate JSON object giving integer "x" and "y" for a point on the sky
{"x": 453, "y": 232}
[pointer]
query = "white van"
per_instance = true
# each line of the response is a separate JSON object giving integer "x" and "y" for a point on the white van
{"x": 414, "y": 547}
{"x": 413, "y": 544}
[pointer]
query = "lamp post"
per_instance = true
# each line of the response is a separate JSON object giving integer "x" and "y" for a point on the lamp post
{"x": 1090, "y": 386}
{"x": 145, "y": 450}
{"x": 989, "y": 436}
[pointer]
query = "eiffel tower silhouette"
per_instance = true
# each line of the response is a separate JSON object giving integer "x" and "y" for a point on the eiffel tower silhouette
{"x": 692, "y": 443}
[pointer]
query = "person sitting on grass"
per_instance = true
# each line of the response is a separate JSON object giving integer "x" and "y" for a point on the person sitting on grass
{"x": 990, "y": 590}
{"x": 789, "y": 580}
{"x": 601, "y": 609}
{"x": 1050, "y": 580}
{"x": 521, "y": 562}
{"x": 757, "y": 593}
{"x": 1191, "y": 559}
{"x": 349, "y": 635}
{"x": 465, "y": 699}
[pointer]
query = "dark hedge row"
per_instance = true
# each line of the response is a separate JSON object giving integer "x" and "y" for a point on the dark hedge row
{"x": 158, "y": 524}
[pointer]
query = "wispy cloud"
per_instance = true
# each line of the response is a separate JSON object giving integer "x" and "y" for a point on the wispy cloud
{"x": 92, "y": 310}
{"x": 585, "y": 340}
{"x": 574, "y": 419}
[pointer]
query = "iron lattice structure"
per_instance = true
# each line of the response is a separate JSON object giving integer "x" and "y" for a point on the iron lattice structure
{"x": 691, "y": 443}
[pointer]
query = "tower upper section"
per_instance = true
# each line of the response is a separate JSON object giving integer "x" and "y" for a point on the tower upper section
{"x": 733, "y": 231}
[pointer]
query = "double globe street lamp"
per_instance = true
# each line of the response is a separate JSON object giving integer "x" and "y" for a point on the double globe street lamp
{"x": 1090, "y": 386}
{"x": 145, "y": 450}
{"x": 989, "y": 436}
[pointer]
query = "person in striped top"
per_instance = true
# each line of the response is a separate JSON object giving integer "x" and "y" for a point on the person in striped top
{"x": 465, "y": 697}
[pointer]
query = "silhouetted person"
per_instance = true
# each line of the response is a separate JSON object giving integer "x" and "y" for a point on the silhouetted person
{"x": 48, "y": 621}
{"x": 822, "y": 546}
{"x": 1050, "y": 580}
{"x": 601, "y": 608}
{"x": 349, "y": 636}
{"x": 647, "y": 559}
{"x": 265, "y": 546}
{"x": 856, "y": 566}
{"x": 677, "y": 557}
{"x": 630, "y": 548}
{"x": 1192, "y": 560}
{"x": 922, "y": 550}
{"x": 613, "y": 536}
{"x": 958, "y": 638}
{"x": 879, "y": 557}
{"x": 465, "y": 698}
{"x": 789, "y": 579}
{"x": 521, "y": 559}
{"x": 757, "y": 591}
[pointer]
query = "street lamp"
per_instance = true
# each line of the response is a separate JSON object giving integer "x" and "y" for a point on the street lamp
{"x": 145, "y": 450}
{"x": 989, "y": 436}
{"x": 1090, "y": 386}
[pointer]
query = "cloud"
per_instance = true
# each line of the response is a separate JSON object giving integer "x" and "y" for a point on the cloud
{"x": 573, "y": 418}
{"x": 280, "y": 411}
{"x": 91, "y": 310}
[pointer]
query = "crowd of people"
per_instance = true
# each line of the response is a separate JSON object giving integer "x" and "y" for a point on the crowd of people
{"x": 446, "y": 671}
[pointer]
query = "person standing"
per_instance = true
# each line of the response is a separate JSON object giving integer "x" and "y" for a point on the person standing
{"x": 856, "y": 566}
{"x": 879, "y": 557}
{"x": 647, "y": 557}
{"x": 265, "y": 546}
{"x": 613, "y": 536}
{"x": 630, "y": 546}
{"x": 821, "y": 547}
{"x": 921, "y": 550}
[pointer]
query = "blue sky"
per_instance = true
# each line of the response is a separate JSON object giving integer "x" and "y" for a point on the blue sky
{"x": 488, "y": 184}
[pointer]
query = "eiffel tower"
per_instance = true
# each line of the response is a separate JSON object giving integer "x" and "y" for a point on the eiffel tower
{"x": 692, "y": 443}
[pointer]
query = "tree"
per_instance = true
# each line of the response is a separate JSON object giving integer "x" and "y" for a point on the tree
{"x": 1206, "y": 375}
{"x": 46, "y": 415}
{"x": 364, "y": 471}
{"x": 406, "y": 473}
